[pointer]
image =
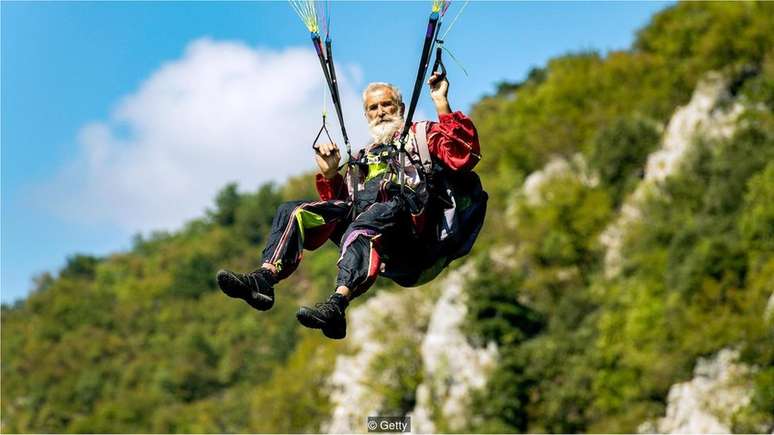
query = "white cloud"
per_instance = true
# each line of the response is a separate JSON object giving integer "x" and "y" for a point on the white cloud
{"x": 223, "y": 112}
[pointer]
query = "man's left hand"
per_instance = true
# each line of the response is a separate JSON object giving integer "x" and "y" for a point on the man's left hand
{"x": 439, "y": 89}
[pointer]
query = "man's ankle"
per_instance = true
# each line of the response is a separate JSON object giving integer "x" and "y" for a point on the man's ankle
{"x": 270, "y": 272}
{"x": 340, "y": 300}
{"x": 344, "y": 291}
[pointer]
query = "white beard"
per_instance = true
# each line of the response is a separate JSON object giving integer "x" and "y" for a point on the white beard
{"x": 385, "y": 131}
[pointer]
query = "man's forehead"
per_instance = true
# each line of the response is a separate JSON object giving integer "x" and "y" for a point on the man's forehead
{"x": 380, "y": 93}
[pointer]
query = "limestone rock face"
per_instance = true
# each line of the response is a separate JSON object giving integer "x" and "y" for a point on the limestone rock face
{"x": 372, "y": 329}
{"x": 387, "y": 324}
{"x": 557, "y": 167}
{"x": 453, "y": 368}
{"x": 720, "y": 386}
{"x": 705, "y": 116}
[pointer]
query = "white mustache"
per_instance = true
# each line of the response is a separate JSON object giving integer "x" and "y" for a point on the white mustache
{"x": 382, "y": 130}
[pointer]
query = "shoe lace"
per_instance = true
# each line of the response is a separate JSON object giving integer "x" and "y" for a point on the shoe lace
{"x": 254, "y": 281}
{"x": 327, "y": 308}
{"x": 263, "y": 275}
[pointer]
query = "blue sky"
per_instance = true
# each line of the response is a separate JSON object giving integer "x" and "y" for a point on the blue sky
{"x": 85, "y": 94}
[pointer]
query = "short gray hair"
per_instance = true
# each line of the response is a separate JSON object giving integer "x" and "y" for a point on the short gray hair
{"x": 390, "y": 86}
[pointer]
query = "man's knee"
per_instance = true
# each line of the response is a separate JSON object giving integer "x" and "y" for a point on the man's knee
{"x": 288, "y": 207}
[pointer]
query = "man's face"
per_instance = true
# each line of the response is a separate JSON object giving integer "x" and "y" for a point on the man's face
{"x": 384, "y": 114}
{"x": 381, "y": 106}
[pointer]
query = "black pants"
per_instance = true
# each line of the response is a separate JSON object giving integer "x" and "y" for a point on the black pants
{"x": 379, "y": 240}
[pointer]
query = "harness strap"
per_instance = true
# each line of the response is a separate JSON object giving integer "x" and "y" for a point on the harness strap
{"x": 422, "y": 148}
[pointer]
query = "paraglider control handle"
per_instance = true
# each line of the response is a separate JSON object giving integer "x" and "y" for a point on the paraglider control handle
{"x": 439, "y": 62}
{"x": 319, "y": 133}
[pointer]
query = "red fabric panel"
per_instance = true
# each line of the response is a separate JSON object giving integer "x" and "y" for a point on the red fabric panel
{"x": 331, "y": 189}
{"x": 454, "y": 141}
{"x": 315, "y": 237}
{"x": 419, "y": 221}
{"x": 376, "y": 261}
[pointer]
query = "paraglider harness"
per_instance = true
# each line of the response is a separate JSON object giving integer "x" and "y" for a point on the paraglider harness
{"x": 455, "y": 199}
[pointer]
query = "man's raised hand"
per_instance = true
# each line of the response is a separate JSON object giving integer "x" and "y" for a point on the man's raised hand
{"x": 439, "y": 90}
{"x": 439, "y": 87}
{"x": 327, "y": 156}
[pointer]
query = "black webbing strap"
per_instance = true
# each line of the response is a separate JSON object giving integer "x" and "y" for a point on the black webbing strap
{"x": 326, "y": 62}
{"x": 424, "y": 60}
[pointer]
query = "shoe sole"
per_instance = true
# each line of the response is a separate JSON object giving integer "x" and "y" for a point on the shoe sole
{"x": 335, "y": 334}
{"x": 258, "y": 301}
{"x": 308, "y": 319}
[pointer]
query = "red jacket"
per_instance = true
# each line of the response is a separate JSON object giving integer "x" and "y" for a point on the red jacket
{"x": 453, "y": 141}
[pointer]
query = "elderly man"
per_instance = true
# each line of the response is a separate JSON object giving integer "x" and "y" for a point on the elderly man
{"x": 384, "y": 230}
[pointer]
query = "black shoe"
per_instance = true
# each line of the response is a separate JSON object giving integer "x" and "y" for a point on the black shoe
{"x": 255, "y": 288}
{"x": 328, "y": 316}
